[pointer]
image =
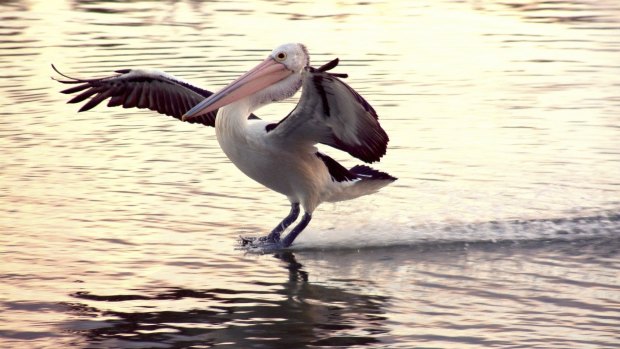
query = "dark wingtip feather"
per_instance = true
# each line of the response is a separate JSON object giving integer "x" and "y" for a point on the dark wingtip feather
{"x": 329, "y": 65}
{"x": 95, "y": 101}
{"x": 117, "y": 99}
{"x": 337, "y": 172}
{"x": 88, "y": 106}
{"x": 370, "y": 173}
{"x": 63, "y": 75}
{"x": 370, "y": 151}
{"x": 75, "y": 89}
{"x": 160, "y": 93}
{"x": 70, "y": 81}
{"x": 84, "y": 95}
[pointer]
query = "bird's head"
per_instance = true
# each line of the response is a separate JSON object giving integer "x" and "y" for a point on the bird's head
{"x": 276, "y": 78}
{"x": 294, "y": 56}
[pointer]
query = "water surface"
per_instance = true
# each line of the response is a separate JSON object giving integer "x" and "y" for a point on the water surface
{"x": 120, "y": 226}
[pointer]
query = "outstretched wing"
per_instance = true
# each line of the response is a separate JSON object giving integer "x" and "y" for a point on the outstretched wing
{"x": 139, "y": 88}
{"x": 331, "y": 112}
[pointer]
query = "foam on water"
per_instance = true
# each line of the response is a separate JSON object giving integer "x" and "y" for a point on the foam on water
{"x": 388, "y": 233}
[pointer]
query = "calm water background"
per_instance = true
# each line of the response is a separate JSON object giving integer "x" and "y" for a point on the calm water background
{"x": 119, "y": 227}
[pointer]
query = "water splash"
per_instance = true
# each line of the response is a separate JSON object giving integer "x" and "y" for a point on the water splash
{"x": 387, "y": 233}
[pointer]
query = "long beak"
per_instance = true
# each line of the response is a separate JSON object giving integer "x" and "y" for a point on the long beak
{"x": 267, "y": 73}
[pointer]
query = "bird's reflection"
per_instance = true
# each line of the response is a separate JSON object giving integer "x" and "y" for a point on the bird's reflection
{"x": 295, "y": 268}
{"x": 298, "y": 313}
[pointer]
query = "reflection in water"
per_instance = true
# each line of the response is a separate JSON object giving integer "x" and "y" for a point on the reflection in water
{"x": 378, "y": 297}
{"x": 296, "y": 314}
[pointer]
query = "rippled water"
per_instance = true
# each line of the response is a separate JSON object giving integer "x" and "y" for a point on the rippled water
{"x": 120, "y": 226}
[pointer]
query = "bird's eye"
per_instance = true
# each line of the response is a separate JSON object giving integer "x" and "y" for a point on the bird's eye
{"x": 281, "y": 56}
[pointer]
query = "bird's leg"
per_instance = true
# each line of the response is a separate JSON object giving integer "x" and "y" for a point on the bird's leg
{"x": 274, "y": 236}
{"x": 288, "y": 220}
{"x": 288, "y": 239}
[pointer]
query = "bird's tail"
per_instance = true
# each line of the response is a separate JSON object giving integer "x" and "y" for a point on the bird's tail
{"x": 368, "y": 181}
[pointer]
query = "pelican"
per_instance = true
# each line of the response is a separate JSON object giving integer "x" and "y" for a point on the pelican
{"x": 281, "y": 156}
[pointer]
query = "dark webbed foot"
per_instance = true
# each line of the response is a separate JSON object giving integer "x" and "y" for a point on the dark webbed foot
{"x": 273, "y": 242}
{"x": 252, "y": 240}
{"x": 260, "y": 244}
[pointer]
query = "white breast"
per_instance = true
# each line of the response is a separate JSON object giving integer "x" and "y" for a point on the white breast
{"x": 299, "y": 175}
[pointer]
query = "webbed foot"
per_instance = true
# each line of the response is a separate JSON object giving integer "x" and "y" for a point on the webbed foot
{"x": 267, "y": 243}
{"x": 272, "y": 242}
